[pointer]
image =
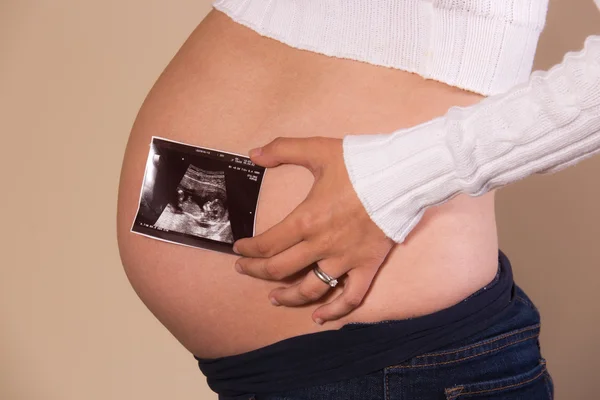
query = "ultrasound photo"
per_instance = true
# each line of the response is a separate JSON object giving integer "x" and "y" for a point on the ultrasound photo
{"x": 198, "y": 197}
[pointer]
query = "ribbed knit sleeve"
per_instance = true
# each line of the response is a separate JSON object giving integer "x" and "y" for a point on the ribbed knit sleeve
{"x": 547, "y": 124}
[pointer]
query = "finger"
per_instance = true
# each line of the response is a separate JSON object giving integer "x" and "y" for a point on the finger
{"x": 281, "y": 265}
{"x": 287, "y": 233}
{"x": 311, "y": 288}
{"x": 356, "y": 286}
{"x": 298, "y": 151}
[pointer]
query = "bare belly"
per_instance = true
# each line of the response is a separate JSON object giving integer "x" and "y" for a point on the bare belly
{"x": 230, "y": 89}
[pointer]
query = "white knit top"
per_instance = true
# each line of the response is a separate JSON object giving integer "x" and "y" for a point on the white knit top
{"x": 548, "y": 121}
{"x": 460, "y": 42}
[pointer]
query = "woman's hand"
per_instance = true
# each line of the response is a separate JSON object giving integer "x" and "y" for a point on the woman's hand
{"x": 330, "y": 227}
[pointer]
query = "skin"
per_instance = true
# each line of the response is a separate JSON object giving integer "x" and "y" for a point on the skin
{"x": 330, "y": 228}
{"x": 230, "y": 89}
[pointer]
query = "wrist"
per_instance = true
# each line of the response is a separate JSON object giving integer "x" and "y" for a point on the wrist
{"x": 397, "y": 176}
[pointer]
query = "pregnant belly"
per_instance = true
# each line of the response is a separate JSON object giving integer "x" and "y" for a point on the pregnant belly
{"x": 231, "y": 89}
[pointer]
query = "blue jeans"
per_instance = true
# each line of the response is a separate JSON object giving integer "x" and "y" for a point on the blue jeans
{"x": 503, "y": 362}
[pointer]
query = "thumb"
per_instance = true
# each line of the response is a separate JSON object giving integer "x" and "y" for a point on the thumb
{"x": 297, "y": 151}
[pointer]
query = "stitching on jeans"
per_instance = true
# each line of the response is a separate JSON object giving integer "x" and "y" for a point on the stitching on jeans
{"x": 453, "y": 393}
{"x": 464, "y": 358}
{"x": 481, "y": 343}
{"x": 387, "y": 387}
{"x": 548, "y": 382}
{"x": 511, "y": 386}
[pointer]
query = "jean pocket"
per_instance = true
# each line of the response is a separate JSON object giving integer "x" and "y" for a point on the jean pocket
{"x": 535, "y": 384}
{"x": 517, "y": 346}
{"x": 487, "y": 367}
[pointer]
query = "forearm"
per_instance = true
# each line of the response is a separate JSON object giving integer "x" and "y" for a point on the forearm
{"x": 549, "y": 123}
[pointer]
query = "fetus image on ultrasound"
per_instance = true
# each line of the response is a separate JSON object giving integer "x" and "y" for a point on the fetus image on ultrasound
{"x": 197, "y": 196}
{"x": 200, "y": 206}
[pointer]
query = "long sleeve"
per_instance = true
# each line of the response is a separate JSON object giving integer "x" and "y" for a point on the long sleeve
{"x": 544, "y": 125}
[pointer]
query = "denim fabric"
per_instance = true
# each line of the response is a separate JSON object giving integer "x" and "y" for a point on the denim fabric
{"x": 502, "y": 362}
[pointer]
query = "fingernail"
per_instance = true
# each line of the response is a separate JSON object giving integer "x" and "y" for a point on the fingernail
{"x": 235, "y": 249}
{"x": 256, "y": 152}
{"x": 238, "y": 268}
{"x": 319, "y": 321}
{"x": 274, "y": 302}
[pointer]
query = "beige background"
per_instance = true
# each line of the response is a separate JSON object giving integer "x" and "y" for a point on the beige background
{"x": 73, "y": 74}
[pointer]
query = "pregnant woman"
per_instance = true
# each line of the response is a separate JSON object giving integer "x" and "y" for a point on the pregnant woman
{"x": 439, "y": 317}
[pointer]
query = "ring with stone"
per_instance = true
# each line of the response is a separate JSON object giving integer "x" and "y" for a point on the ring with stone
{"x": 330, "y": 280}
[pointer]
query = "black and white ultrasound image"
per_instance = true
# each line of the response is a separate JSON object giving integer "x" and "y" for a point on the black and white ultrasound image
{"x": 197, "y": 196}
